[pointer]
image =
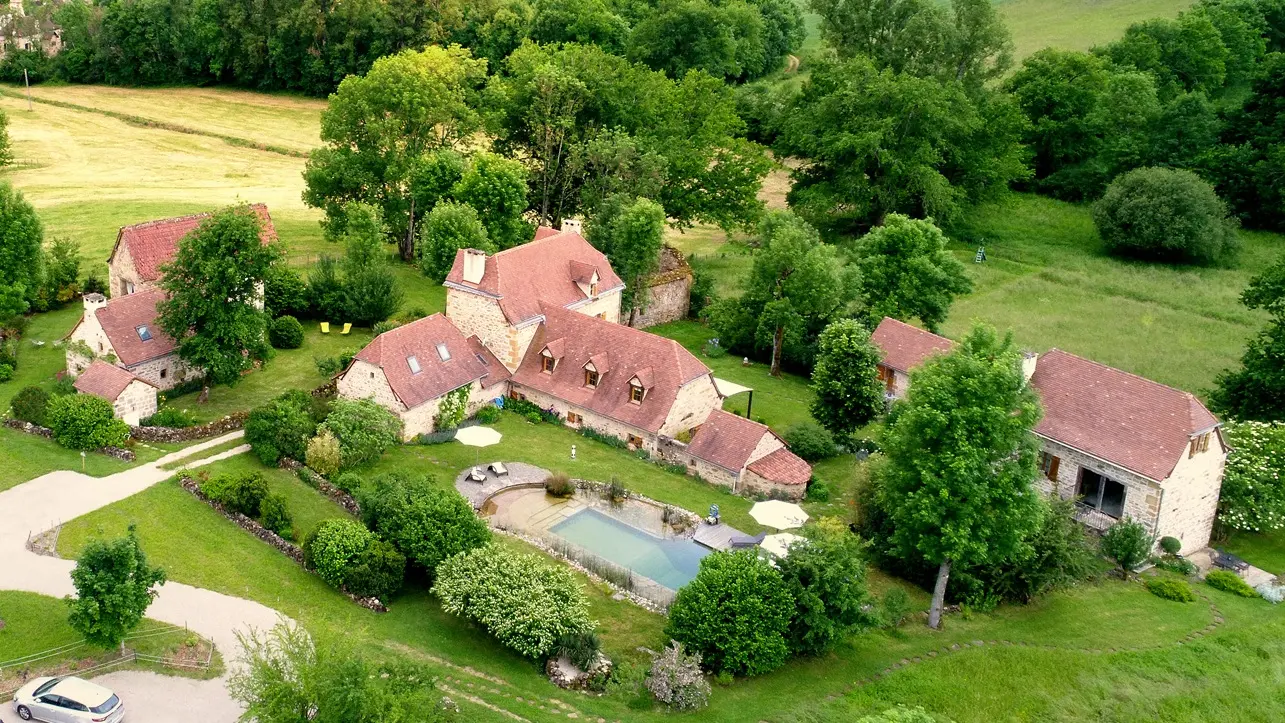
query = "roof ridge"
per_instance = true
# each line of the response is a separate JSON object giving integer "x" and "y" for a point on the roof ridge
{"x": 532, "y": 242}
{"x": 186, "y": 217}
{"x": 1183, "y": 392}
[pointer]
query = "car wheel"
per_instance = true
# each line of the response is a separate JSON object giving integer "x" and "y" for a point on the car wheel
{"x": 24, "y": 712}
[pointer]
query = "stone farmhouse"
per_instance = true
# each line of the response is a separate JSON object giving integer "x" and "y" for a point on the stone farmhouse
{"x": 746, "y": 456}
{"x": 132, "y": 398}
{"x": 1123, "y": 445}
{"x": 542, "y": 322}
{"x": 122, "y": 330}
{"x": 904, "y": 347}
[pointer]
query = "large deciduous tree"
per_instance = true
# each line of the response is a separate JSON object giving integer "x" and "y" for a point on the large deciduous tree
{"x": 874, "y": 142}
{"x": 630, "y": 231}
{"x": 906, "y": 271}
{"x": 1256, "y": 390}
{"x": 21, "y": 239}
{"x": 496, "y": 188}
{"x": 449, "y": 227}
{"x": 113, "y": 589}
{"x": 213, "y": 287}
{"x": 846, "y": 392}
{"x": 1165, "y": 214}
{"x": 371, "y": 291}
{"x": 961, "y": 460}
{"x": 378, "y": 128}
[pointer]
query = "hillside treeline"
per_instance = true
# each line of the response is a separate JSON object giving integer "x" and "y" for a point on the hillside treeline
{"x": 310, "y": 46}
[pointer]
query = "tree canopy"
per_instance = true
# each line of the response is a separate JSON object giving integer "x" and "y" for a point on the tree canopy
{"x": 1256, "y": 390}
{"x": 1167, "y": 215}
{"x": 21, "y": 239}
{"x": 906, "y": 271}
{"x": 845, "y": 385}
{"x": 961, "y": 459}
{"x": 113, "y": 589}
{"x": 631, "y": 232}
{"x": 213, "y": 292}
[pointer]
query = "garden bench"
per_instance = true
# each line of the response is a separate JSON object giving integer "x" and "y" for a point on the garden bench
{"x": 1228, "y": 561}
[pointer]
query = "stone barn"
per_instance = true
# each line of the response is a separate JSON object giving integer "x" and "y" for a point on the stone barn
{"x": 668, "y": 291}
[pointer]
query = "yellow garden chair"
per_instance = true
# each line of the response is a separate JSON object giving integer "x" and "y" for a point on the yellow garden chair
{"x": 325, "y": 327}
{"x": 347, "y": 328}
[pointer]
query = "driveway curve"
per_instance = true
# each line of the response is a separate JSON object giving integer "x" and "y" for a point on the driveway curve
{"x": 56, "y": 497}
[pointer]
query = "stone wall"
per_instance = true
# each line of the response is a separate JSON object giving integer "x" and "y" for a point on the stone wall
{"x": 1141, "y": 495}
{"x": 364, "y": 380}
{"x": 314, "y": 480}
{"x": 136, "y": 402}
{"x": 605, "y": 306}
{"x": 121, "y": 272}
{"x": 165, "y": 372}
{"x": 124, "y": 455}
{"x": 692, "y": 406}
{"x": 477, "y": 315}
{"x": 668, "y": 292}
{"x": 1189, "y": 497}
{"x": 230, "y": 423}
{"x": 753, "y": 484}
{"x": 605, "y": 425}
{"x": 675, "y": 452}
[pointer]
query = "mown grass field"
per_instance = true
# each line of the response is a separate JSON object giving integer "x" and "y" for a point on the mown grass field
{"x": 1077, "y": 24}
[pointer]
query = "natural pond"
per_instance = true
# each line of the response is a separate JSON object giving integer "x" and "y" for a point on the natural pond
{"x": 671, "y": 562}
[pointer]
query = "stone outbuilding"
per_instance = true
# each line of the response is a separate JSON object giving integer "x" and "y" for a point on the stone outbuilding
{"x": 746, "y": 457}
{"x": 667, "y": 292}
{"x": 1122, "y": 445}
{"x": 132, "y": 398}
{"x": 410, "y": 370}
{"x": 123, "y": 332}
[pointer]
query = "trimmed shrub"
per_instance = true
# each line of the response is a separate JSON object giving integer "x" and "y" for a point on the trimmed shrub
{"x": 734, "y": 592}
{"x": 1171, "y": 589}
{"x": 83, "y": 421}
{"x": 490, "y": 414}
{"x": 6, "y": 373}
{"x": 424, "y": 522}
{"x": 378, "y": 571}
{"x": 1128, "y": 543}
{"x": 1165, "y": 214}
{"x": 323, "y": 454}
{"x": 282, "y": 427}
{"x": 1171, "y": 545}
{"x": 818, "y": 491}
{"x": 275, "y": 515}
{"x": 334, "y": 546}
{"x": 527, "y": 603}
{"x": 285, "y": 333}
{"x": 348, "y": 482}
{"x": 811, "y": 441}
{"x": 895, "y": 607}
{"x": 559, "y": 484}
{"x": 1228, "y": 581}
{"x": 242, "y": 493}
{"x": 675, "y": 678}
{"x": 365, "y": 430}
{"x": 31, "y": 404}
{"x": 169, "y": 417}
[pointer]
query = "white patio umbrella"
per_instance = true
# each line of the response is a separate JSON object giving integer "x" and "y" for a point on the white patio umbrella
{"x": 778, "y": 514}
{"x": 478, "y": 437}
{"x": 779, "y": 544}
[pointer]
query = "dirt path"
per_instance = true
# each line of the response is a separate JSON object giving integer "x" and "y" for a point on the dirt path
{"x": 791, "y": 64}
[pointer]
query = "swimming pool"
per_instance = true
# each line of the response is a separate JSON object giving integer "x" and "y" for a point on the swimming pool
{"x": 672, "y": 563}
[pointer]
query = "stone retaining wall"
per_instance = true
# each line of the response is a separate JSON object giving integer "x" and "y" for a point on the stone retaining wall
{"x": 124, "y": 455}
{"x": 230, "y": 423}
{"x": 314, "y": 480}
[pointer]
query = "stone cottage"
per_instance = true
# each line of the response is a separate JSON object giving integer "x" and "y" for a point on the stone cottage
{"x": 140, "y": 250}
{"x": 498, "y": 298}
{"x": 617, "y": 380}
{"x": 904, "y": 347}
{"x": 132, "y": 398}
{"x": 1123, "y": 445}
{"x": 746, "y": 457}
{"x": 411, "y": 369}
{"x": 123, "y": 332}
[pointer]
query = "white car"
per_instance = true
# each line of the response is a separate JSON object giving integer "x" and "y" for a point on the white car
{"x": 67, "y": 700}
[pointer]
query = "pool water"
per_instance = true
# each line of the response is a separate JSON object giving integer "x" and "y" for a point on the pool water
{"x": 672, "y": 563}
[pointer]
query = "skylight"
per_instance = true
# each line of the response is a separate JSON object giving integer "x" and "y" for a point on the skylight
{"x": 144, "y": 333}
{"x": 481, "y": 359}
{"x": 443, "y": 353}
{"x": 413, "y": 363}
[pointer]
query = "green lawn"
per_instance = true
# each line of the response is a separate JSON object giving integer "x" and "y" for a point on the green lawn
{"x": 306, "y": 506}
{"x": 1263, "y": 551}
{"x": 1077, "y": 24}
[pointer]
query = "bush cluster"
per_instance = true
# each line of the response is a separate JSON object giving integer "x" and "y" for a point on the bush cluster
{"x": 527, "y": 603}
{"x": 85, "y": 422}
{"x": 346, "y": 555}
{"x": 489, "y": 414}
{"x": 676, "y": 680}
{"x": 559, "y": 484}
{"x": 1171, "y": 589}
{"x": 811, "y": 441}
{"x": 243, "y": 493}
{"x": 365, "y": 430}
{"x": 1166, "y": 215}
{"x": 283, "y": 426}
{"x": 323, "y": 454}
{"x": 285, "y": 333}
{"x": 1228, "y": 581}
{"x": 424, "y": 522}
{"x": 30, "y": 404}
{"x": 1253, "y": 492}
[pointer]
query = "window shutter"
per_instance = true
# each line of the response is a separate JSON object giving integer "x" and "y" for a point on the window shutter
{"x": 1053, "y": 468}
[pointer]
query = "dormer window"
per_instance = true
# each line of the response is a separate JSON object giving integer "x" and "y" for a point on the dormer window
{"x": 636, "y": 393}
{"x": 144, "y": 334}
{"x": 590, "y": 378}
{"x": 413, "y": 363}
{"x": 547, "y": 363}
{"x": 593, "y": 289}
{"x": 443, "y": 353}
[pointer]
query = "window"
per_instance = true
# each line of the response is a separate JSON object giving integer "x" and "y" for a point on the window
{"x": 1101, "y": 493}
{"x": 1048, "y": 465}
{"x": 593, "y": 289}
{"x": 164, "y": 372}
{"x": 887, "y": 376}
{"x": 635, "y": 441}
{"x": 636, "y": 393}
{"x": 481, "y": 359}
{"x": 547, "y": 364}
{"x": 443, "y": 353}
{"x": 144, "y": 333}
{"x": 603, "y": 316}
{"x": 590, "y": 378}
{"x": 513, "y": 394}
{"x": 413, "y": 363}
{"x": 573, "y": 418}
{"x": 1199, "y": 444}
{"x": 129, "y": 287}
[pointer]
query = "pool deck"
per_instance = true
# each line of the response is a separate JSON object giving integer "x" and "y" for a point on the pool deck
{"x": 718, "y": 537}
{"x": 479, "y": 492}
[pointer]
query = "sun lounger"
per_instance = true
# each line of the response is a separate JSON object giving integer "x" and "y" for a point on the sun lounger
{"x": 347, "y": 328}
{"x": 325, "y": 327}
{"x": 499, "y": 469}
{"x": 476, "y": 475}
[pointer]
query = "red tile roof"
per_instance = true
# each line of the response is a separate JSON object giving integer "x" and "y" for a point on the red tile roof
{"x": 106, "y": 380}
{"x": 121, "y": 319}
{"x": 1138, "y": 424}
{"x": 580, "y": 338}
{"x": 906, "y": 347}
{"x": 469, "y": 360}
{"x": 783, "y": 467}
{"x": 726, "y": 440}
{"x": 152, "y": 244}
{"x": 542, "y": 271}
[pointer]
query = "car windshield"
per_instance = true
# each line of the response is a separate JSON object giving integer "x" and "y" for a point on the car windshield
{"x": 107, "y": 705}
{"x": 46, "y": 686}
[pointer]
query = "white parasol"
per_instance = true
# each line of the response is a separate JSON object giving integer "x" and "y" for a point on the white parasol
{"x": 778, "y": 514}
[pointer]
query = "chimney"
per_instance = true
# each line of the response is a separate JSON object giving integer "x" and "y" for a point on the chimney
{"x": 94, "y": 302}
{"x": 574, "y": 225}
{"x": 1029, "y": 360}
{"x": 474, "y": 265}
